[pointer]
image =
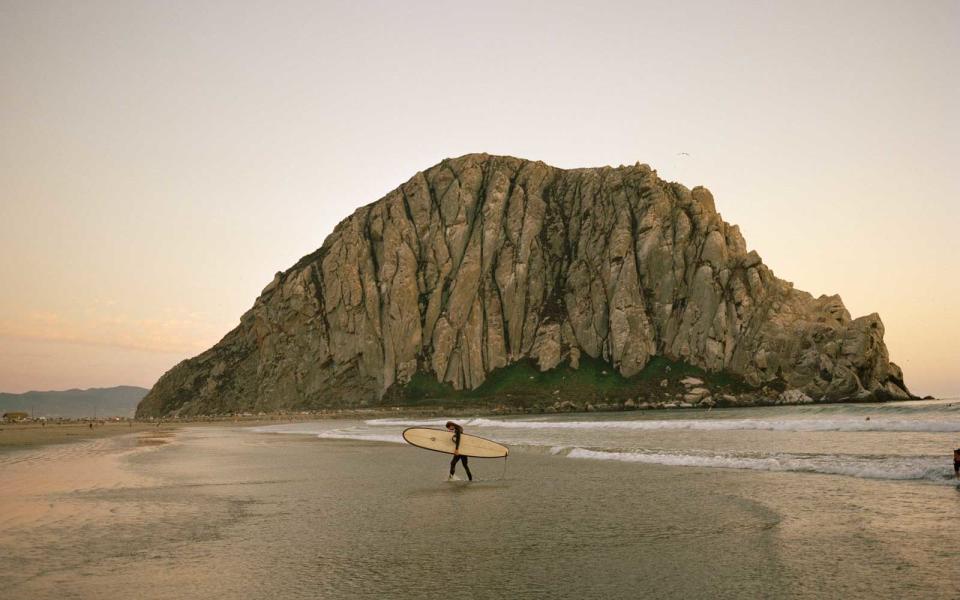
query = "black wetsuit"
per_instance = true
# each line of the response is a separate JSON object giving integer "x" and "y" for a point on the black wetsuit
{"x": 453, "y": 463}
{"x": 956, "y": 461}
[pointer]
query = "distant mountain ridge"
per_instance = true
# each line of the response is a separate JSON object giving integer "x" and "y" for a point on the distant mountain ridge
{"x": 118, "y": 401}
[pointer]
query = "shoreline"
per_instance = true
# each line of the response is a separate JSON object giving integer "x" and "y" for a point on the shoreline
{"x": 14, "y": 436}
{"x": 221, "y": 511}
{"x": 34, "y": 434}
{"x": 541, "y": 405}
{"x": 24, "y": 436}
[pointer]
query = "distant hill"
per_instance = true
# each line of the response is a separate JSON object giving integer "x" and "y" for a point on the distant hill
{"x": 120, "y": 401}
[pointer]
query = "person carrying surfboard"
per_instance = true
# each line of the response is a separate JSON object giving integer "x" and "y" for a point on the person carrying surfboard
{"x": 457, "y": 432}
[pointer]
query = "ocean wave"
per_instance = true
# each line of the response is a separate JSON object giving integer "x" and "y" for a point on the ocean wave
{"x": 331, "y": 434}
{"x": 852, "y": 425}
{"x": 361, "y": 436}
{"x": 298, "y": 429}
{"x": 930, "y": 469}
{"x": 947, "y": 406}
{"x": 415, "y": 422}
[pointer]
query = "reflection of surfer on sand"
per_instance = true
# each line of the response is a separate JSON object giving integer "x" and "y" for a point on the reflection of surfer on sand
{"x": 457, "y": 431}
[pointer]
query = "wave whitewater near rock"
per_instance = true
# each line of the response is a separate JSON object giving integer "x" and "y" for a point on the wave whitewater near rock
{"x": 853, "y": 454}
{"x": 483, "y": 263}
{"x": 849, "y": 425}
{"x": 920, "y": 469}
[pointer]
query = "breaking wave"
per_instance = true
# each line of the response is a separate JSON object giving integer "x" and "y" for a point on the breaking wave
{"x": 332, "y": 434}
{"x": 930, "y": 469}
{"x": 360, "y": 436}
{"x": 419, "y": 422}
{"x": 879, "y": 424}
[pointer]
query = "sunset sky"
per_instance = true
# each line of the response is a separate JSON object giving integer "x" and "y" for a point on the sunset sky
{"x": 160, "y": 161}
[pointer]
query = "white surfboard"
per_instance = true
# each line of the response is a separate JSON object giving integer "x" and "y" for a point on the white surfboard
{"x": 441, "y": 440}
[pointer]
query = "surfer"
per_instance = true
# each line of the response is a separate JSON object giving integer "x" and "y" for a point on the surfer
{"x": 956, "y": 463}
{"x": 457, "y": 431}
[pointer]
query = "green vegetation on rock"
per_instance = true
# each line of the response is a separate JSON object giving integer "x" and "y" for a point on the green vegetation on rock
{"x": 523, "y": 384}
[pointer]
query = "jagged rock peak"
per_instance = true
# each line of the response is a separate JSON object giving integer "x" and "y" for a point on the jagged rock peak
{"x": 482, "y": 261}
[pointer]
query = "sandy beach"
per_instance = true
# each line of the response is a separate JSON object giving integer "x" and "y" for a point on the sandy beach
{"x": 204, "y": 512}
{"x": 33, "y": 434}
{"x": 30, "y": 435}
{"x": 224, "y": 511}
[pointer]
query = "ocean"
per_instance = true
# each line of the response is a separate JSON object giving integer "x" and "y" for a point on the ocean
{"x": 830, "y": 501}
{"x": 898, "y": 441}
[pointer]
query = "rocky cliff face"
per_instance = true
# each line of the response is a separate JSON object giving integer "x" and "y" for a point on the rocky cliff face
{"x": 483, "y": 261}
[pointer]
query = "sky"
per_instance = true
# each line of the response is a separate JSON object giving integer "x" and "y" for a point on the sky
{"x": 160, "y": 161}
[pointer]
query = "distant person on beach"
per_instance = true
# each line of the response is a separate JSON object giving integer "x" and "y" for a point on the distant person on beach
{"x": 457, "y": 432}
{"x": 956, "y": 463}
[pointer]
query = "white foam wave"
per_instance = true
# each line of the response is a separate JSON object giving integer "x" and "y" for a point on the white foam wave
{"x": 895, "y": 425}
{"x": 298, "y": 429}
{"x": 331, "y": 434}
{"x": 361, "y": 436}
{"x": 895, "y": 468}
{"x": 415, "y": 422}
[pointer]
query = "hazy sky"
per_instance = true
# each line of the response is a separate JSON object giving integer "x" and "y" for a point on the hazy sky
{"x": 160, "y": 161}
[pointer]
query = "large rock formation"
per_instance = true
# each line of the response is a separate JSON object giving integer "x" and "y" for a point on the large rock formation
{"x": 483, "y": 261}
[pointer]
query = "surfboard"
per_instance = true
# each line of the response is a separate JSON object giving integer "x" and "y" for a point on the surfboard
{"x": 441, "y": 440}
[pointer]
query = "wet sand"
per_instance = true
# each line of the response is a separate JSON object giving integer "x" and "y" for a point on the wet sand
{"x": 14, "y": 436}
{"x": 17, "y": 436}
{"x": 222, "y": 512}
{"x": 29, "y": 435}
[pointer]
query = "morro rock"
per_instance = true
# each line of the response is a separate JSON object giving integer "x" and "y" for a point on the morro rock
{"x": 483, "y": 261}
